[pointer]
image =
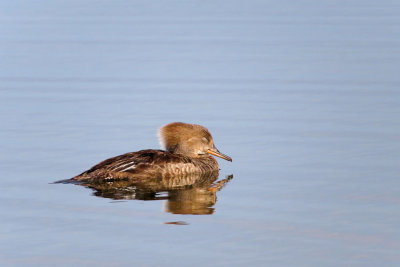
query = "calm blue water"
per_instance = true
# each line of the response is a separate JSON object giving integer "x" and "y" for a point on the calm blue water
{"x": 304, "y": 96}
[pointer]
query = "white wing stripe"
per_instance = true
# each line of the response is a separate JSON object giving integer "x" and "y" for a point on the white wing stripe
{"x": 129, "y": 168}
{"x": 121, "y": 166}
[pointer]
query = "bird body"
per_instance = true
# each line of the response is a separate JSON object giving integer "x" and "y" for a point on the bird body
{"x": 188, "y": 150}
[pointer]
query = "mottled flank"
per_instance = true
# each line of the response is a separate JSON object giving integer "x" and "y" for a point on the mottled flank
{"x": 147, "y": 163}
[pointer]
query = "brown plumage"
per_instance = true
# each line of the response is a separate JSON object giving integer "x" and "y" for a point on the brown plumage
{"x": 188, "y": 148}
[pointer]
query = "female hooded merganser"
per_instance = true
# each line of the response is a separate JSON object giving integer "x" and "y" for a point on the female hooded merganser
{"x": 187, "y": 151}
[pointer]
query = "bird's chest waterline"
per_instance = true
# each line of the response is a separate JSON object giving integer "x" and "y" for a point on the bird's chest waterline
{"x": 200, "y": 167}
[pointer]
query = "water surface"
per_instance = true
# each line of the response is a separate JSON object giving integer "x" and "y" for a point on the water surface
{"x": 303, "y": 96}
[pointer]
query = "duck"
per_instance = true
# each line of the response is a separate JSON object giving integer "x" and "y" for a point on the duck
{"x": 188, "y": 151}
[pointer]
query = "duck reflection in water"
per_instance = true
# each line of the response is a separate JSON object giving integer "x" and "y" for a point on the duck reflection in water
{"x": 185, "y": 169}
{"x": 196, "y": 198}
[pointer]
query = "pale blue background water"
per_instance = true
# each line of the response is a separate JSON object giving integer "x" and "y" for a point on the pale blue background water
{"x": 303, "y": 95}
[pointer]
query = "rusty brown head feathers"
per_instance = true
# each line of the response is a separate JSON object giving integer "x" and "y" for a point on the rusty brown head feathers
{"x": 191, "y": 140}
